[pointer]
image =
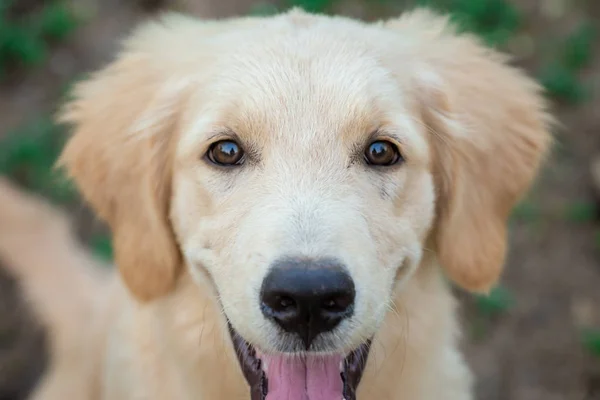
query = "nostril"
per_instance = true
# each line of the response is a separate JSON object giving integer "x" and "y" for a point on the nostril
{"x": 280, "y": 303}
{"x": 330, "y": 304}
{"x": 338, "y": 303}
{"x": 281, "y": 307}
{"x": 285, "y": 302}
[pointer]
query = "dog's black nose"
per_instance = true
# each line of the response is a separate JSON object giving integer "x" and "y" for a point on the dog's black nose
{"x": 307, "y": 297}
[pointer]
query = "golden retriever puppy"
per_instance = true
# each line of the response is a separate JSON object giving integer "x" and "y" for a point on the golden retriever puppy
{"x": 286, "y": 196}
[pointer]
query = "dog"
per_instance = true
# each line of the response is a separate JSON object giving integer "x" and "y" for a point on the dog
{"x": 291, "y": 199}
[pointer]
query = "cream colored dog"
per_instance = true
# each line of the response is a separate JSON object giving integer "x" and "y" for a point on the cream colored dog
{"x": 285, "y": 195}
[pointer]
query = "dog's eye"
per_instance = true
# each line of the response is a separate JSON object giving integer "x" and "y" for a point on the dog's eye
{"x": 225, "y": 152}
{"x": 382, "y": 153}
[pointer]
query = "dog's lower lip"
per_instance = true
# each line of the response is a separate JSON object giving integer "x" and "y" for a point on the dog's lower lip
{"x": 353, "y": 367}
{"x": 251, "y": 366}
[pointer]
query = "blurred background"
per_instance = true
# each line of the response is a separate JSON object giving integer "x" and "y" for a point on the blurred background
{"x": 536, "y": 336}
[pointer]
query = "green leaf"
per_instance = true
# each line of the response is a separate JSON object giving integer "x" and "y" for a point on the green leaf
{"x": 29, "y": 154}
{"x": 57, "y": 21}
{"x": 18, "y": 45}
{"x": 497, "y": 302}
{"x": 314, "y": 6}
{"x": 60, "y": 188}
{"x": 562, "y": 84}
{"x": 102, "y": 246}
{"x": 526, "y": 211}
{"x": 590, "y": 339}
{"x": 581, "y": 212}
{"x": 578, "y": 48}
{"x": 495, "y": 21}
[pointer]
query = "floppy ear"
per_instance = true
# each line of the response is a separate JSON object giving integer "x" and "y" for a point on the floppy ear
{"x": 120, "y": 155}
{"x": 488, "y": 130}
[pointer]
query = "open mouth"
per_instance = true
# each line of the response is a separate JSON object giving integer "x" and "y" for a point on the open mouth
{"x": 306, "y": 377}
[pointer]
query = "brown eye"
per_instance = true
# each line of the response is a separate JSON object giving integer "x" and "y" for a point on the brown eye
{"x": 225, "y": 152}
{"x": 382, "y": 153}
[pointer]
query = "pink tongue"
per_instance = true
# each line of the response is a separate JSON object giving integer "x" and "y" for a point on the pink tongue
{"x": 312, "y": 378}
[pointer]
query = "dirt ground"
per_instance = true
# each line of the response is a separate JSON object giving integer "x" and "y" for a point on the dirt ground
{"x": 532, "y": 351}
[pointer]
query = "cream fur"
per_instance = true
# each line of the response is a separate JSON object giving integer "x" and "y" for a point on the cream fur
{"x": 194, "y": 242}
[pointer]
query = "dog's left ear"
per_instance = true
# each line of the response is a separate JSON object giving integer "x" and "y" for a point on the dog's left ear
{"x": 489, "y": 131}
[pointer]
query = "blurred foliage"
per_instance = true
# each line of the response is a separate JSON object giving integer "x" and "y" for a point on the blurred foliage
{"x": 497, "y": 302}
{"x": 24, "y": 39}
{"x": 489, "y": 308}
{"x": 56, "y": 21}
{"x": 493, "y": 20}
{"x": 577, "y": 51}
{"x": 29, "y": 153}
{"x": 102, "y": 246}
{"x": 526, "y": 211}
{"x": 561, "y": 76}
{"x": 591, "y": 341}
{"x": 581, "y": 212}
{"x": 316, "y": 6}
{"x": 562, "y": 83}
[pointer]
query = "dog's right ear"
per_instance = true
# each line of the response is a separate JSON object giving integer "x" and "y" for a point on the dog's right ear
{"x": 120, "y": 155}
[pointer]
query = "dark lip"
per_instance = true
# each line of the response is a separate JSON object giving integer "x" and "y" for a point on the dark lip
{"x": 251, "y": 366}
{"x": 354, "y": 367}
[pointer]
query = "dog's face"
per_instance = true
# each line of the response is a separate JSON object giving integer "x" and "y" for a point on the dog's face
{"x": 299, "y": 167}
{"x": 288, "y": 171}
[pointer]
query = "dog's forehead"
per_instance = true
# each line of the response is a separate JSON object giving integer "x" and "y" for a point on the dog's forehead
{"x": 301, "y": 86}
{"x": 304, "y": 81}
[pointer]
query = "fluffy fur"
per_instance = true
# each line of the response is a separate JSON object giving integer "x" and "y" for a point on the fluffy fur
{"x": 193, "y": 242}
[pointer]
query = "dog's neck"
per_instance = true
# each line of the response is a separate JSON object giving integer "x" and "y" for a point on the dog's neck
{"x": 416, "y": 342}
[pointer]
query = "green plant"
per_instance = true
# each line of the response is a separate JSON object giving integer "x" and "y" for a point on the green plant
{"x": 526, "y": 211}
{"x": 581, "y": 212}
{"x": 102, "y": 246}
{"x": 563, "y": 83}
{"x": 561, "y": 76}
{"x": 590, "y": 339}
{"x": 316, "y": 6}
{"x": 498, "y": 301}
{"x": 577, "y": 51}
{"x": 495, "y": 21}
{"x": 19, "y": 46}
{"x": 29, "y": 153}
{"x": 24, "y": 41}
{"x": 56, "y": 21}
